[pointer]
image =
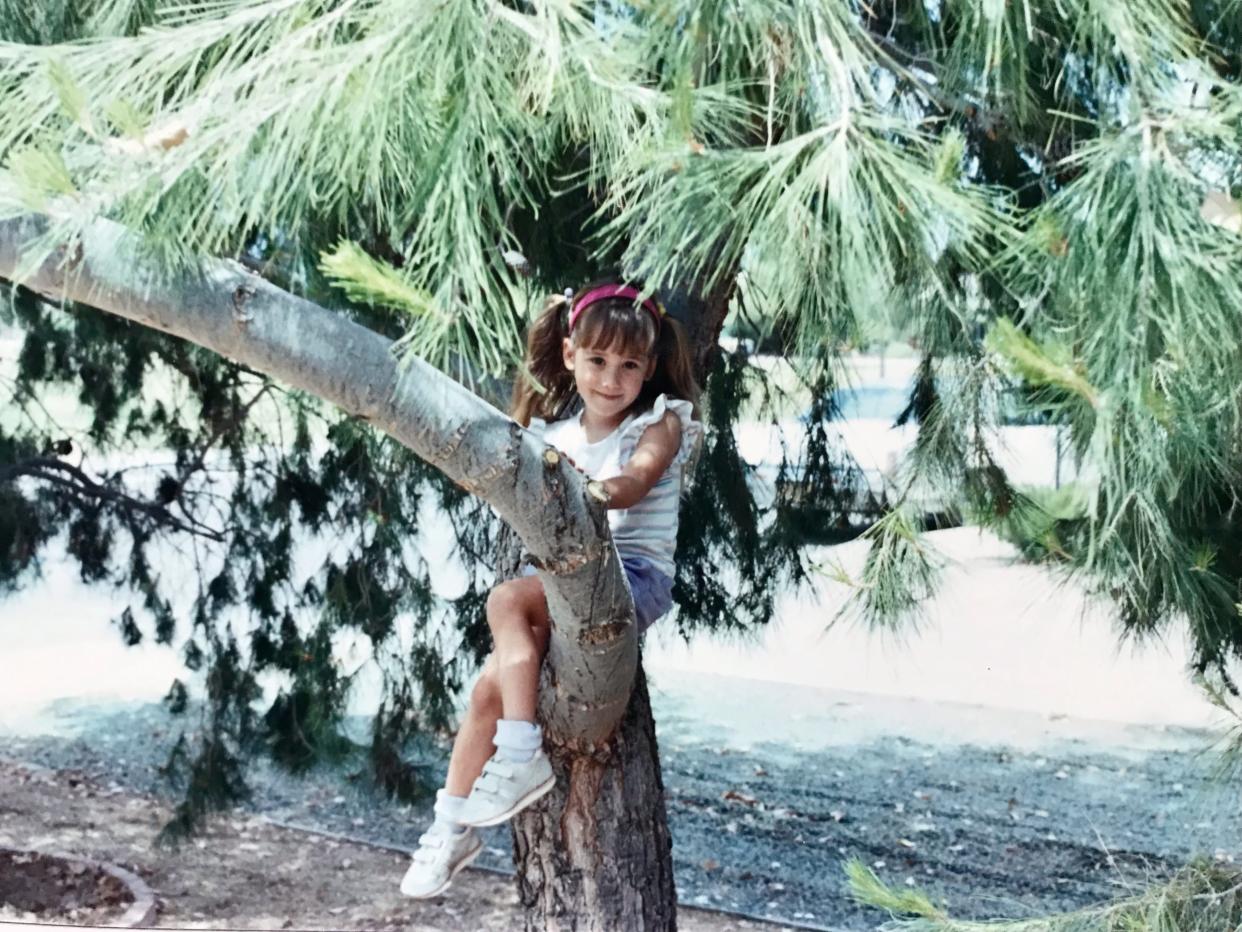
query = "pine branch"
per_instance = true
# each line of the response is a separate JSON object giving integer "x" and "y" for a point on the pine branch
{"x": 76, "y": 481}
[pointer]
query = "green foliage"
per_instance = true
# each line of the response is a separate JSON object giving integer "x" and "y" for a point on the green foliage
{"x": 1149, "y": 301}
{"x": 1202, "y": 897}
{"x": 717, "y": 511}
{"x": 366, "y": 280}
{"x": 39, "y": 175}
{"x": 868, "y": 889}
{"x": 901, "y": 570}
{"x": 214, "y": 782}
{"x": 723, "y": 526}
{"x": 182, "y": 446}
{"x": 1048, "y": 525}
{"x": 1039, "y": 366}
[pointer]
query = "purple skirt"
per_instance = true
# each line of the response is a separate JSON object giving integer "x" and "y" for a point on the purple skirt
{"x": 651, "y": 589}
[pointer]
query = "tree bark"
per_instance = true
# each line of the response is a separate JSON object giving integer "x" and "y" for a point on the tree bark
{"x": 597, "y": 856}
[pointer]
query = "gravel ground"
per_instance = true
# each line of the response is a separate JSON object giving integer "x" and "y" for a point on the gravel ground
{"x": 992, "y": 831}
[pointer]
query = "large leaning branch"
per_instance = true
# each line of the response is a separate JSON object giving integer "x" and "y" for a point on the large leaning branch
{"x": 227, "y": 309}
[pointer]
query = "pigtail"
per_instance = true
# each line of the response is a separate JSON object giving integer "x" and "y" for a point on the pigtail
{"x": 674, "y": 377}
{"x": 543, "y": 385}
{"x": 674, "y": 374}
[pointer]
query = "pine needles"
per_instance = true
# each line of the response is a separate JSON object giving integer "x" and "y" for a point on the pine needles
{"x": 901, "y": 571}
{"x": 1202, "y": 897}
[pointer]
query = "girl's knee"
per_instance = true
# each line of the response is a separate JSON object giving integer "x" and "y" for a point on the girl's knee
{"x": 500, "y": 600}
{"x": 522, "y": 658}
{"x": 517, "y": 599}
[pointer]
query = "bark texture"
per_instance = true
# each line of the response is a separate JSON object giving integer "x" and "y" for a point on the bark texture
{"x": 596, "y": 855}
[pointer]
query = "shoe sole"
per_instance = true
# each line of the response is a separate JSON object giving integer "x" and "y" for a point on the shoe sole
{"x": 533, "y": 796}
{"x": 457, "y": 869}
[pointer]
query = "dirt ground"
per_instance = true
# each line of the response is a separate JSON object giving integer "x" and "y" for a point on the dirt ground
{"x": 988, "y": 831}
{"x": 245, "y": 873}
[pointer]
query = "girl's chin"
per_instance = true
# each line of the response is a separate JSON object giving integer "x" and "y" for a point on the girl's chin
{"x": 602, "y": 408}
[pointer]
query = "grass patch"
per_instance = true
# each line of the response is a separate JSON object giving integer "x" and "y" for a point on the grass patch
{"x": 1202, "y": 897}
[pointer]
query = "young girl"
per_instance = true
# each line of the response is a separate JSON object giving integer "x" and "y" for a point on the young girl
{"x": 621, "y": 370}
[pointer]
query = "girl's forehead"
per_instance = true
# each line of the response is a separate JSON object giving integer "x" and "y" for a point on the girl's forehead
{"x": 613, "y": 349}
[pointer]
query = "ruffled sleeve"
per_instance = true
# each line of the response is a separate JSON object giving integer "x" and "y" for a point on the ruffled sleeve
{"x": 691, "y": 430}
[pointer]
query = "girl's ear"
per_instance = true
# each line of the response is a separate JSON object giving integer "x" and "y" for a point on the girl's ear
{"x": 567, "y": 352}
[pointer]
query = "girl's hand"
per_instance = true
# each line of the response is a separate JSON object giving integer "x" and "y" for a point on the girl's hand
{"x": 655, "y": 451}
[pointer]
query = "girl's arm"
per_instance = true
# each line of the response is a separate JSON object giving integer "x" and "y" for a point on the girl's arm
{"x": 656, "y": 449}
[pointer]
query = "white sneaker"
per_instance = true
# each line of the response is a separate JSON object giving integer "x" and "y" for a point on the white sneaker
{"x": 505, "y": 788}
{"x": 439, "y": 858}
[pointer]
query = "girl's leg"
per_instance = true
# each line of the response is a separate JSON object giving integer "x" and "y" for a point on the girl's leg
{"x": 448, "y": 845}
{"x": 509, "y": 612}
{"x": 473, "y": 744}
{"x": 517, "y": 613}
{"x": 509, "y": 682}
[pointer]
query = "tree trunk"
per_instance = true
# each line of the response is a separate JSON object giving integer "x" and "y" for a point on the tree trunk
{"x": 596, "y": 855}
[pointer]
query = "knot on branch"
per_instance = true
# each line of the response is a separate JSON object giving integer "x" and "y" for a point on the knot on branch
{"x": 480, "y": 482}
{"x": 603, "y": 634}
{"x": 241, "y": 300}
{"x": 444, "y": 451}
{"x": 567, "y": 563}
{"x": 565, "y": 749}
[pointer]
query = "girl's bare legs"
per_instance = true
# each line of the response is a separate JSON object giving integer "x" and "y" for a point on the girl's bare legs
{"x": 473, "y": 745}
{"x": 517, "y": 613}
{"x": 508, "y": 686}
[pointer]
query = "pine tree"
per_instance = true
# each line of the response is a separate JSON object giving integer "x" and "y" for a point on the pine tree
{"x": 1038, "y": 193}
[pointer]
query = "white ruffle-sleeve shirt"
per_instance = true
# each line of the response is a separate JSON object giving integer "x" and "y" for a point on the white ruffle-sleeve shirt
{"x": 648, "y": 529}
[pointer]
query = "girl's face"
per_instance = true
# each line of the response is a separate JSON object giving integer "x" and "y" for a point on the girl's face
{"x": 609, "y": 382}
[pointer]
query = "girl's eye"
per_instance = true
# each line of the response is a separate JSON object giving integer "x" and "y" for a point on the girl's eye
{"x": 596, "y": 360}
{"x": 631, "y": 365}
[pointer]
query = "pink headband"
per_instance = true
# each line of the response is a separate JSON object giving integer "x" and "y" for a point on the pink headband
{"x": 613, "y": 291}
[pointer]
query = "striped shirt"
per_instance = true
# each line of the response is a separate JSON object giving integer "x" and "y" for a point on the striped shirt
{"x": 648, "y": 529}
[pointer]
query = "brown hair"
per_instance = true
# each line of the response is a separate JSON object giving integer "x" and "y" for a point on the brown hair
{"x": 545, "y": 389}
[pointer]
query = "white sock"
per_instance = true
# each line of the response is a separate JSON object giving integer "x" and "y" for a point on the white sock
{"x": 517, "y": 741}
{"x": 447, "y": 810}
